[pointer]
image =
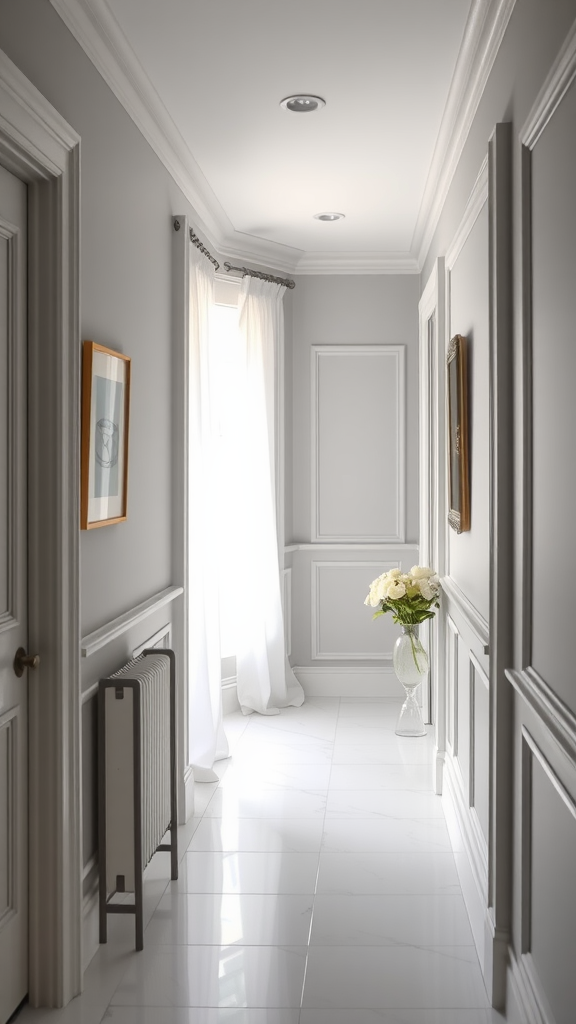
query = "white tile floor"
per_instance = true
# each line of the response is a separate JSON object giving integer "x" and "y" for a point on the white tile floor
{"x": 317, "y": 886}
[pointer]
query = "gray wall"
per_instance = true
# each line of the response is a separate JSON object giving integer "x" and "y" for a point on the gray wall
{"x": 354, "y": 426}
{"x": 510, "y": 776}
{"x": 127, "y": 201}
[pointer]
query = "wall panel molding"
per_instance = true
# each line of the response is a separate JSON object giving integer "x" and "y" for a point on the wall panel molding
{"x": 350, "y": 546}
{"x": 396, "y": 354}
{"x": 474, "y": 619}
{"x": 94, "y": 641}
{"x": 532, "y": 752}
{"x": 553, "y": 714}
{"x": 318, "y": 654}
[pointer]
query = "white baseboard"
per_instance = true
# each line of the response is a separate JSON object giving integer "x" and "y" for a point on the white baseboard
{"x": 459, "y": 838}
{"x": 230, "y": 702}
{"x": 524, "y": 1003}
{"x": 188, "y": 794}
{"x": 90, "y": 927}
{"x": 471, "y": 864}
{"x": 335, "y": 681}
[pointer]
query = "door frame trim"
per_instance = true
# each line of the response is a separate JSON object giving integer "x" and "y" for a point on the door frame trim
{"x": 39, "y": 147}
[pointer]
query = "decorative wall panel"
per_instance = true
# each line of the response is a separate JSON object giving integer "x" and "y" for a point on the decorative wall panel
{"x": 358, "y": 444}
{"x": 342, "y": 626}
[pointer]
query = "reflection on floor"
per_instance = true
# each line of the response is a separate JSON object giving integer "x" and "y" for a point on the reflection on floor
{"x": 317, "y": 886}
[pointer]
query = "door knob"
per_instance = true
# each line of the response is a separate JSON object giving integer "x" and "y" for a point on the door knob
{"x": 23, "y": 660}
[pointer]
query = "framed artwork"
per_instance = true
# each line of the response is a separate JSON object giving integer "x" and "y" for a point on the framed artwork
{"x": 458, "y": 465}
{"x": 105, "y": 415}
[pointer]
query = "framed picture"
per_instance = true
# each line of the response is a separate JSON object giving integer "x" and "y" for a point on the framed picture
{"x": 458, "y": 467}
{"x": 105, "y": 414}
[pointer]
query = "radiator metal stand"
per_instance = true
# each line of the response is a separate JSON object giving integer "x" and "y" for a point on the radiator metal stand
{"x": 137, "y": 908}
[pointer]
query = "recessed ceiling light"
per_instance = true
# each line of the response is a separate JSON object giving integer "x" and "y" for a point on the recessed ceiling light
{"x": 302, "y": 103}
{"x": 329, "y": 216}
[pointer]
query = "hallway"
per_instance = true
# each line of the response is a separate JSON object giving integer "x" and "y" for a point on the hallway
{"x": 317, "y": 886}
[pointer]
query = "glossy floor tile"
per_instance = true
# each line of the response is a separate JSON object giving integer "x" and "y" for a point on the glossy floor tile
{"x": 317, "y": 885}
{"x": 393, "y": 976}
{"x": 241, "y": 872}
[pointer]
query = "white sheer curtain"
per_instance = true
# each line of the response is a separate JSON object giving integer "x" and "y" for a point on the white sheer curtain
{"x": 266, "y": 681}
{"x": 206, "y": 733}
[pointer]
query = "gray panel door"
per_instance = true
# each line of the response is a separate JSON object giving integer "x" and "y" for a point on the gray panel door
{"x": 13, "y": 598}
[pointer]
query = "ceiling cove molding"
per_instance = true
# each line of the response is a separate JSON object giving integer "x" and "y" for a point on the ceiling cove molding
{"x": 94, "y": 27}
{"x": 483, "y": 36}
{"x": 357, "y": 263}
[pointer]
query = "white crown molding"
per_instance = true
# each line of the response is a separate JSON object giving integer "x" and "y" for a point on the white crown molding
{"x": 357, "y": 263}
{"x": 476, "y": 201}
{"x": 95, "y": 28}
{"x": 553, "y": 91}
{"x": 483, "y": 35}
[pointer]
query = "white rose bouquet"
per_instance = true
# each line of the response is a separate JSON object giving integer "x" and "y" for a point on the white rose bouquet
{"x": 410, "y": 596}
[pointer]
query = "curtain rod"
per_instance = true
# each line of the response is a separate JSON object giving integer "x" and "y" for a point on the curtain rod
{"x": 242, "y": 270}
{"x": 263, "y": 277}
{"x": 196, "y": 241}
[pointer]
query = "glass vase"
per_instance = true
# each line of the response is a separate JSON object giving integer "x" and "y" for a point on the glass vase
{"x": 411, "y": 666}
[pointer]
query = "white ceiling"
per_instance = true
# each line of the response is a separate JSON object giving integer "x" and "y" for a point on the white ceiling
{"x": 210, "y": 76}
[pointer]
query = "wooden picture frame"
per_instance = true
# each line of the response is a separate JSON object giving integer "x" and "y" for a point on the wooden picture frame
{"x": 104, "y": 447}
{"x": 458, "y": 457}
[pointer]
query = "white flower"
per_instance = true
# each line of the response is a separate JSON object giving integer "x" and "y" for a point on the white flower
{"x": 394, "y": 573}
{"x": 421, "y": 572}
{"x": 426, "y": 590}
{"x": 397, "y": 590}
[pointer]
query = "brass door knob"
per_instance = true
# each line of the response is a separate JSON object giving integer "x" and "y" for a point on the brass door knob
{"x": 23, "y": 660}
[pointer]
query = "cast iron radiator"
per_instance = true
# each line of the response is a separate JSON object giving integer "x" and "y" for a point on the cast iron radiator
{"x": 136, "y": 779}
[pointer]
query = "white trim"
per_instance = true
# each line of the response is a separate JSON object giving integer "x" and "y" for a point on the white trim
{"x": 470, "y": 858}
{"x": 531, "y": 983}
{"x": 186, "y": 783}
{"x": 337, "y": 681}
{"x": 432, "y": 480}
{"x": 487, "y": 23}
{"x": 317, "y": 653}
{"x": 180, "y": 497}
{"x": 230, "y": 702}
{"x": 473, "y": 617}
{"x": 523, "y": 989}
{"x": 476, "y": 201}
{"x": 558, "y": 81}
{"x": 554, "y": 715}
{"x": 286, "y": 575}
{"x": 538, "y": 753}
{"x": 351, "y": 546}
{"x": 93, "y": 642}
{"x": 91, "y": 691}
{"x": 346, "y": 350}
{"x": 357, "y": 263}
{"x": 96, "y": 30}
{"x": 153, "y": 640}
{"x": 38, "y": 146}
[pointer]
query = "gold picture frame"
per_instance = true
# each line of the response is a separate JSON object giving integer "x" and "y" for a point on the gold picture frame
{"x": 104, "y": 448}
{"x": 458, "y": 457}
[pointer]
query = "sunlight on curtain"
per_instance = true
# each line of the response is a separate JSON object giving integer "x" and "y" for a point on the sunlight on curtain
{"x": 266, "y": 681}
{"x": 227, "y": 363}
{"x": 206, "y": 734}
